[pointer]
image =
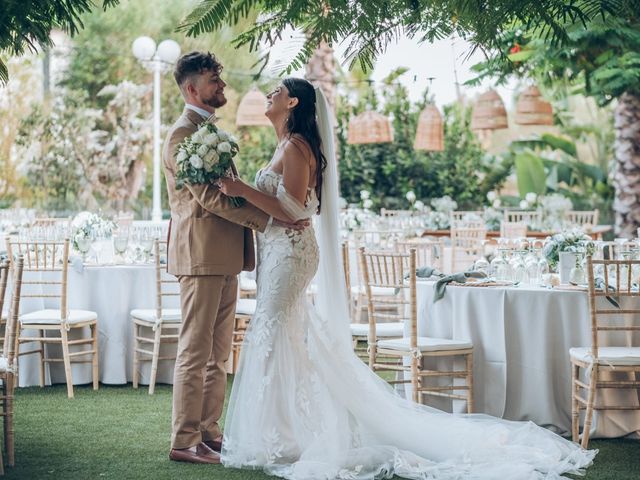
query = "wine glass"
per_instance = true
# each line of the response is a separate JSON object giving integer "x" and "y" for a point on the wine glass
{"x": 83, "y": 243}
{"x": 120, "y": 240}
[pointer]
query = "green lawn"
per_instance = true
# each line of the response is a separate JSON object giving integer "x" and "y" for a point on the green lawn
{"x": 121, "y": 433}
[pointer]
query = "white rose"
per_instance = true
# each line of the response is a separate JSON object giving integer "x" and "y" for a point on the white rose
{"x": 492, "y": 195}
{"x": 223, "y": 136}
{"x": 212, "y": 157}
{"x": 419, "y": 205}
{"x": 342, "y": 203}
{"x": 496, "y": 203}
{"x": 203, "y": 150}
{"x": 224, "y": 147}
{"x": 411, "y": 196}
{"x": 233, "y": 138}
{"x": 182, "y": 156}
{"x": 197, "y": 137}
{"x": 364, "y": 194}
{"x": 368, "y": 203}
{"x": 196, "y": 161}
{"x": 531, "y": 197}
{"x": 210, "y": 139}
{"x": 524, "y": 204}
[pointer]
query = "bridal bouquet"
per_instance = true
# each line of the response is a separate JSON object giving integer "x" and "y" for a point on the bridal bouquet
{"x": 205, "y": 157}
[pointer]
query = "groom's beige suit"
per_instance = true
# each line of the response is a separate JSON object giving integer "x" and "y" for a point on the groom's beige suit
{"x": 210, "y": 242}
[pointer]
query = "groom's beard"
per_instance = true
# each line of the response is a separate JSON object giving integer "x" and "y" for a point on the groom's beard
{"x": 216, "y": 101}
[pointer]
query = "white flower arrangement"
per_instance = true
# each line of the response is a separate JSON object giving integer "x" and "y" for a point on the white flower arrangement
{"x": 554, "y": 210}
{"x": 574, "y": 240}
{"x": 439, "y": 219}
{"x": 492, "y": 218}
{"x": 411, "y": 197}
{"x": 87, "y": 224}
{"x": 354, "y": 218}
{"x": 205, "y": 157}
{"x": 492, "y": 196}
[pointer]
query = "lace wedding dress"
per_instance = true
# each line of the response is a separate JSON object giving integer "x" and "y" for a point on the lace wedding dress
{"x": 304, "y": 407}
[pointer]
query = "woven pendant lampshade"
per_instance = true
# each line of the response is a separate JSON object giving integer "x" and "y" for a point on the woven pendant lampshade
{"x": 489, "y": 112}
{"x": 430, "y": 131}
{"x": 369, "y": 127}
{"x": 532, "y": 109}
{"x": 251, "y": 110}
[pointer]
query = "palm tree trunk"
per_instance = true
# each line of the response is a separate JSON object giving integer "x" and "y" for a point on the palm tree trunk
{"x": 626, "y": 177}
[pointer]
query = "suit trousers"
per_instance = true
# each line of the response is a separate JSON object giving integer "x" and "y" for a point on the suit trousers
{"x": 208, "y": 309}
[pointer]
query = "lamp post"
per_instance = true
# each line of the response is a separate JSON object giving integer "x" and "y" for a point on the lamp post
{"x": 157, "y": 61}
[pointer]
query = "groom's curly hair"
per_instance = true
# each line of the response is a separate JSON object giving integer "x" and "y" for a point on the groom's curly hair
{"x": 195, "y": 63}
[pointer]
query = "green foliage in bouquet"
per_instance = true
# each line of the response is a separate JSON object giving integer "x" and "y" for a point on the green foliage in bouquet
{"x": 575, "y": 241}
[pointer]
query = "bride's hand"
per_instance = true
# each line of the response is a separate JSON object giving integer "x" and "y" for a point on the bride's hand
{"x": 231, "y": 187}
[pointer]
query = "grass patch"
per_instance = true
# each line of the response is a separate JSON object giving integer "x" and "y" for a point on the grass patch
{"x": 121, "y": 433}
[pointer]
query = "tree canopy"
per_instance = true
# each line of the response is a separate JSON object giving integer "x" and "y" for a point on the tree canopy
{"x": 369, "y": 27}
{"x": 26, "y": 25}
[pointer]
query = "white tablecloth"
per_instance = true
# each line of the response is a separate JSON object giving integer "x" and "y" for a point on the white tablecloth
{"x": 521, "y": 338}
{"x": 112, "y": 292}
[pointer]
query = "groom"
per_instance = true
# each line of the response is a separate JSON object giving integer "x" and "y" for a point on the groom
{"x": 210, "y": 242}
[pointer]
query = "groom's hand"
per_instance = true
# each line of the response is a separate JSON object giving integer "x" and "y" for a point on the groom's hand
{"x": 299, "y": 225}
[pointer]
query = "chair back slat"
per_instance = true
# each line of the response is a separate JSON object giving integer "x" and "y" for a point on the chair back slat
{"x": 11, "y": 330}
{"x": 467, "y": 219}
{"x": 167, "y": 285}
{"x": 583, "y": 218}
{"x": 528, "y": 217}
{"x": 4, "y": 278}
{"x": 45, "y": 269}
{"x": 623, "y": 280}
{"x": 467, "y": 244}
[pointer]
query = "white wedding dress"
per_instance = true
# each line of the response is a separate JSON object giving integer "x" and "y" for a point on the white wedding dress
{"x": 304, "y": 407}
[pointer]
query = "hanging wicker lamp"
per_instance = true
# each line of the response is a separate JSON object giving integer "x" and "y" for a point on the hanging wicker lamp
{"x": 430, "y": 131}
{"x": 251, "y": 110}
{"x": 489, "y": 112}
{"x": 369, "y": 127}
{"x": 532, "y": 109}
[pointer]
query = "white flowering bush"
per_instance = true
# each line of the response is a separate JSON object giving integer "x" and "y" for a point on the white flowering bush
{"x": 554, "y": 210}
{"x": 439, "y": 218}
{"x": 355, "y": 218}
{"x": 492, "y": 218}
{"x": 574, "y": 240}
{"x": 206, "y": 156}
{"x": 87, "y": 224}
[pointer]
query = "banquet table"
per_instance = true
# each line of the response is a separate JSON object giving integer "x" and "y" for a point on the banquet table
{"x": 521, "y": 337}
{"x": 112, "y": 291}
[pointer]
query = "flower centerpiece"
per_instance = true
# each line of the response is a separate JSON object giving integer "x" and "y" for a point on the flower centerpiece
{"x": 87, "y": 225}
{"x": 439, "y": 218}
{"x": 492, "y": 218}
{"x": 205, "y": 157}
{"x": 554, "y": 210}
{"x": 573, "y": 241}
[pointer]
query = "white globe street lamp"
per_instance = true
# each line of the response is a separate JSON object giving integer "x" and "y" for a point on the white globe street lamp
{"x": 157, "y": 60}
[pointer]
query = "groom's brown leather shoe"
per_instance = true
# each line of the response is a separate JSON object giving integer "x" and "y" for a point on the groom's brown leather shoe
{"x": 203, "y": 454}
{"x": 215, "y": 445}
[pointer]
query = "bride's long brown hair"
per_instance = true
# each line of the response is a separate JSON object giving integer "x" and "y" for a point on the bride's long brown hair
{"x": 302, "y": 120}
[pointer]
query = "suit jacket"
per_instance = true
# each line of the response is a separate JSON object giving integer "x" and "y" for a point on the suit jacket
{"x": 207, "y": 234}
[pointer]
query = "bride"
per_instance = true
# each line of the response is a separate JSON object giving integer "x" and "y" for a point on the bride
{"x": 303, "y": 406}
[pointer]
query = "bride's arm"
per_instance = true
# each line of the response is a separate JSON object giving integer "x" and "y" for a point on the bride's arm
{"x": 287, "y": 205}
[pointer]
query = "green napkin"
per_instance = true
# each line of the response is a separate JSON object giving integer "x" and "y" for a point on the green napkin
{"x": 441, "y": 285}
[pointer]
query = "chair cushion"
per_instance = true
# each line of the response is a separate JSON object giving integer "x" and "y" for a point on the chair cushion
{"x": 608, "y": 355}
{"x": 375, "y": 291}
{"x": 246, "y": 306}
{"x": 247, "y": 283}
{"x": 391, "y": 329}
{"x": 173, "y": 315}
{"x": 51, "y": 317}
{"x": 425, "y": 344}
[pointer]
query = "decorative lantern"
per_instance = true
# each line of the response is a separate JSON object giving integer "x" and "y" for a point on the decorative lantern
{"x": 369, "y": 127}
{"x": 430, "y": 131}
{"x": 251, "y": 110}
{"x": 532, "y": 109}
{"x": 489, "y": 112}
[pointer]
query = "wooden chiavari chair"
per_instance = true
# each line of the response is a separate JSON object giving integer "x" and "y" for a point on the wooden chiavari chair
{"x": 466, "y": 218}
{"x": 360, "y": 331}
{"x": 245, "y": 309}
{"x": 154, "y": 327}
{"x": 597, "y": 360}
{"x": 583, "y": 218}
{"x": 46, "y": 265}
{"x": 4, "y": 276}
{"x": 467, "y": 244}
{"x": 530, "y": 218}
{"x": 385, "y": 213}
{"x": 429, "y": 252}
{"x": 398, "y": 271}
{"x": 8, "y": 361}
{"x": 513, "y": 230}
